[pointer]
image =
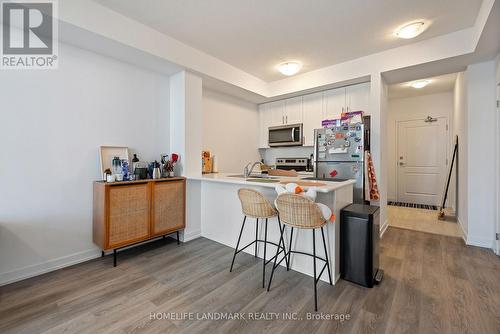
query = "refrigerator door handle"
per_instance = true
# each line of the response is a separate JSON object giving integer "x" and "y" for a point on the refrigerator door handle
{"x": 315, "y": 152}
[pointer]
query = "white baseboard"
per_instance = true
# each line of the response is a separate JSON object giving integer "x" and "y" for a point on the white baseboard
{"x": 471, "y": 240}
{"x": 481, "y": 242}
{"x": 464, "y": 234}
{"x": 385, "y": 225}
{"x": 47, "y": 266}
{"x": 191, "y": 235}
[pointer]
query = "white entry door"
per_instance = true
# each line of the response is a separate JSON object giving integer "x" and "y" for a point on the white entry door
{"x": 422, "y": 159}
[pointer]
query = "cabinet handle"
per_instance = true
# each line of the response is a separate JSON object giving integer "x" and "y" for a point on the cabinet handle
{"x": 286, "y": 119}
{"x": 342, "y": 109}
{"x": 282, "y": 119}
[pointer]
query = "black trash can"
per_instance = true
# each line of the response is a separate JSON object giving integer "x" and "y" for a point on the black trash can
{"x": 359, "y": 244}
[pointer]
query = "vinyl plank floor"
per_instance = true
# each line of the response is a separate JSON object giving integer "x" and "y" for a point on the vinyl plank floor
{"x": 432, "y": 284}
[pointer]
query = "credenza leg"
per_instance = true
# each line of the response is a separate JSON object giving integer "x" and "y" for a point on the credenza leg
{"x": 178, "y": 239}
{"x": 114, "y": 257}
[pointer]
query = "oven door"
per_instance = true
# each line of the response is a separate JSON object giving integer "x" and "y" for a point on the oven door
{"x": 285, "y": 135}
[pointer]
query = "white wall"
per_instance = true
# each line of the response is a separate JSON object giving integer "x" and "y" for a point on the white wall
{"x": 412, "y": 108}
{"x": 497, "y": 60}
{"x": 52, "y": 124}
{"x": 378, "y": 111}
{"x": 230, "y": 130}
{"x": 186, "y": 127}
{"x": 482, "y": 153}
{"x": 460, "y": 125}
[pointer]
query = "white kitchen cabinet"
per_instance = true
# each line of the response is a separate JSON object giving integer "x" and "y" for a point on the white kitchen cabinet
{"x": 277, "y": 111}
{"x": 312, "y": 116}
{"x": 358, "y": 97}
{"x": 334, "y": 103}
{"x": 311, "y": 109}
{"x": 293, "y": 110}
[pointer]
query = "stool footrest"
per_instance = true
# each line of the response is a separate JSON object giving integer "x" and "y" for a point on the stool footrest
{"x": 250, "y": 244}
{"x": 311, "y": 255}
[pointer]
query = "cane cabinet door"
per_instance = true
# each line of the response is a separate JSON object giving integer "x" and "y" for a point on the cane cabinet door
{"x": 168, "y": 206}
{"x": 129, "y": 215}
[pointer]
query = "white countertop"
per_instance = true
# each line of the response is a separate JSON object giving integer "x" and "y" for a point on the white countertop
{"x": 324, "y": 186}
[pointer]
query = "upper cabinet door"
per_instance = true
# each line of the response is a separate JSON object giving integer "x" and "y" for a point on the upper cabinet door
{"x": 293, "y": 110}
{"x": 358, "y": 97}
{"x": 334, "y": 103}
{"x": 277, "y": 110}
{"x": 312, "y": 116}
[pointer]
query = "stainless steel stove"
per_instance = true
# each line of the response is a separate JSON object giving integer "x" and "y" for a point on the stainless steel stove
{"x": 297, "y": 164}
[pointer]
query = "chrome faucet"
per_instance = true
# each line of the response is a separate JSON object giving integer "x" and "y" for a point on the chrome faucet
{"x": 247, "y": 172}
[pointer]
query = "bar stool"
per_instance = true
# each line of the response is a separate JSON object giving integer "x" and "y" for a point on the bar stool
{"x": 301, "y": 212}
{"x": 255, "y": 205}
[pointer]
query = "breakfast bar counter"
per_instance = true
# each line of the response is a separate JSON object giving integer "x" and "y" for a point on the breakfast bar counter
{"x": 221, "y": 216}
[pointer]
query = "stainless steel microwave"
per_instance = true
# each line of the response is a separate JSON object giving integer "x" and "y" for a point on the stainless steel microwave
{"x": 285, "y": 135}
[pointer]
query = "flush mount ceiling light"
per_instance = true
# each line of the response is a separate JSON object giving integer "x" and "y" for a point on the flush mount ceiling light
{"x": 420, "y": 84}
{"x": 410, "y": 30}
{"x": 289, "y": 67}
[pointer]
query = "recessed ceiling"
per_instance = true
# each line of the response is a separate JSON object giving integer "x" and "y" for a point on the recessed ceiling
{"x": 438, "y": 84}
{"x": 257, "y": 35}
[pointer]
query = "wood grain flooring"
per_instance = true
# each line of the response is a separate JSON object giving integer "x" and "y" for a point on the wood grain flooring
{"x": 432, "y": 284}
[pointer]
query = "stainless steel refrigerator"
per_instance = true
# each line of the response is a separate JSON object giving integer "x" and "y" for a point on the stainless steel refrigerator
{"x": 339, "y": 154}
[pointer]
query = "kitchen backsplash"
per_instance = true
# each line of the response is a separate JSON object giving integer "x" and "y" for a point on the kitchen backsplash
{"x": 270, "y": 154}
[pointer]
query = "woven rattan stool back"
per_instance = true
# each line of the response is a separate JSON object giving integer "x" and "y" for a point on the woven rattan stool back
{"x": 255, "y": 205}
{"x": 299, "y": 211}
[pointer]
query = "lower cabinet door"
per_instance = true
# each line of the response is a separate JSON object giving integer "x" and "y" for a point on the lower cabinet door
{"x": 128, "y": 214}
{"x": 168, "y": 207}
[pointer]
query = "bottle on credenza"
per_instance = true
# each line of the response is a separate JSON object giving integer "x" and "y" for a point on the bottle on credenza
{"x": 135, "y": 160}
{"x": 116, "y": 166}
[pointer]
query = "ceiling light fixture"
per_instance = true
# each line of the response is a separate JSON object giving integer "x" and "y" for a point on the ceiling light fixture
{"x": 410, "y": 30}
{"x": 290, "y": 67}
{"x": 420, "y": 84}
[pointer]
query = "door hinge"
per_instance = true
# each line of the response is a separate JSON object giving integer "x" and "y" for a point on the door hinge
{"x": 446, "y": 127}
{"x": 498, "y": 236}
{"x": 446, "y": 161}
{"x": 498, "y": 103}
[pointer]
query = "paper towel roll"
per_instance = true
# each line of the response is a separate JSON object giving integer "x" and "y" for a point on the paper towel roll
{"x": 215, "y": 166}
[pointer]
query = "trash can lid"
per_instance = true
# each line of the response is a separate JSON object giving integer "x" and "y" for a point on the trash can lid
{"x": 362, "y": 209}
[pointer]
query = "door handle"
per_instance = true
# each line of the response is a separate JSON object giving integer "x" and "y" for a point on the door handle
{"x": 401, "y": 163}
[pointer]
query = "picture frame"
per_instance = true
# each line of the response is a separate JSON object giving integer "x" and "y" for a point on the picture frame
{"x": 107, "y": 153}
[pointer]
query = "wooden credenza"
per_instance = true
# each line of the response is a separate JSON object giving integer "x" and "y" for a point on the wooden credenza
{"x": 126, "y": 213}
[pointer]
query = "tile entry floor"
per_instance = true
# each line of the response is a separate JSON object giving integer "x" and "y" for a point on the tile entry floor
{"x": 422, "y": 220}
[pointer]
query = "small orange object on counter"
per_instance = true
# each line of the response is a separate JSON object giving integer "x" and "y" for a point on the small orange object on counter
{"x": 206, "y": 162}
